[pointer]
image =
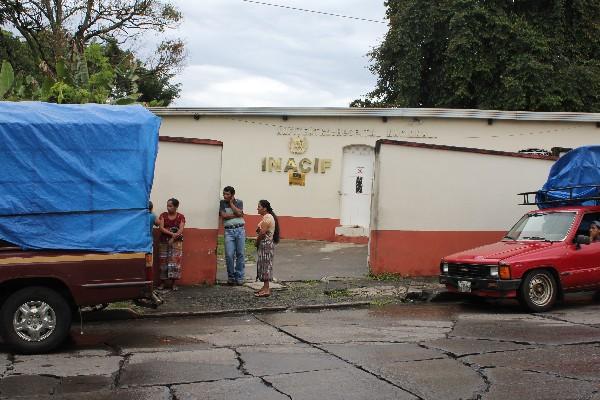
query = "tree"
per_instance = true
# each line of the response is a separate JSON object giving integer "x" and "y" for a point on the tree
{"x": 110, "y": 74}
{"x": 60, "y": 35}
{"x": 92, "y": 81}
{"x": 152, "y": 82}
{"x": 518, "y": 55}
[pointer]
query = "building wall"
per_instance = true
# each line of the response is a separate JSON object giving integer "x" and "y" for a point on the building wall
{"x": 191, "y": 172}
{"x": 431, "y": 201}
{"x": 313, "y": 211}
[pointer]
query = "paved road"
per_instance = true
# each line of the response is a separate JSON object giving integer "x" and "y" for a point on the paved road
{"x": 457, "y": 350}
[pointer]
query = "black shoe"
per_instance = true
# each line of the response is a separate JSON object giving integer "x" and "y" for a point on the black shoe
{"x": 230, "y": 283}
{"x": 239, "y": 283}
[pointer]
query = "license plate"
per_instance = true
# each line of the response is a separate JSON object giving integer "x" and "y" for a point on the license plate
{"x": 464, "y": 286}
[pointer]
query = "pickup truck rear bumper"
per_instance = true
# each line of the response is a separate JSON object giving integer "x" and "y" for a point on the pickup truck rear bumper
{"x": 483, "y": 286}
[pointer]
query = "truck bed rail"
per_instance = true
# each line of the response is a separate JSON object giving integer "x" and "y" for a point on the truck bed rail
{"x": 568, "y": 195}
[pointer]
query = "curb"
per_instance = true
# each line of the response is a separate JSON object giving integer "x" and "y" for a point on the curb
{"x": 348, "y": 304}
{"x": 123, "y": 314}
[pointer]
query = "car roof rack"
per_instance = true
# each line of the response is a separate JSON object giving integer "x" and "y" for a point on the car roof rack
{"x": 542, "y": 196}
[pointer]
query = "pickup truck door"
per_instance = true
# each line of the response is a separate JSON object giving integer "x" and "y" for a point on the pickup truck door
{"x": 583, "y": 269}
{"x": 583, "y": 262}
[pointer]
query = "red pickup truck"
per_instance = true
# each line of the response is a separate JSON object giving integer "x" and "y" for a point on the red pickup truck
{"x": 546, "y": 254}
{"x": 41, "y": 290}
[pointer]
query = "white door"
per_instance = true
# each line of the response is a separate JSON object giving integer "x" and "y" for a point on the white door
{"x": 357, "y": 182}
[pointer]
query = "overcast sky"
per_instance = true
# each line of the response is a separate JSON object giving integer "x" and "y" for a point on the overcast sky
{"x": 245, "y": 54}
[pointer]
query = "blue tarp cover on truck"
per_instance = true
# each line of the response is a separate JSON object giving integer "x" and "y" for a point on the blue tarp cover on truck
{"x": 76, "y": 177}
{"x": 579, "y": 167}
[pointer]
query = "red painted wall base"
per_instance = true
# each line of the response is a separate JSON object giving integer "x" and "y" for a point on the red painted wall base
{"x": 352, "y": 239}
{"x": 199, "y": 257}
{"x": 418, "y": 253}
{"x": 303, "y": 228}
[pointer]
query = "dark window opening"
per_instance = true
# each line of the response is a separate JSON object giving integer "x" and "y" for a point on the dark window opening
{"x": 359, "y": 184}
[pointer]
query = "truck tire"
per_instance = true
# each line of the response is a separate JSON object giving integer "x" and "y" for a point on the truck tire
{"x": 36, "y": 319}
{"x": 538, "y": 291}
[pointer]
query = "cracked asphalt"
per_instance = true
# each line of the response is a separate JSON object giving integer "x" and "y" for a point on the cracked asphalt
{"x": 448, "y": 350}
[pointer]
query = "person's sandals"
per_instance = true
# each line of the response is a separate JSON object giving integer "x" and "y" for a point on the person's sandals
{"x": 175, "y": 288}
{"x": 262, "y": 294}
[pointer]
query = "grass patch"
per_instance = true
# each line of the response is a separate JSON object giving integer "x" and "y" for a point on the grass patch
{"x": 381, "y": 302}
{"x": 386, "y": 277}
{"x": 337, "y": 293}
{"x": 120, "y": 304}
{"x": 312, "y": 282}
{"x": 250, "y": 248}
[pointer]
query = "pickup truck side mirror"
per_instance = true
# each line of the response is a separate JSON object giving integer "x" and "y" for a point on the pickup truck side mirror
{"x": 581, "y": 239}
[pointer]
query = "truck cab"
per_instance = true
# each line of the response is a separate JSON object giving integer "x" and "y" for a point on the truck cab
{"x": 40, "y": 290}
{"x": 74, "y": 229}
{"x": 546, "y": 254}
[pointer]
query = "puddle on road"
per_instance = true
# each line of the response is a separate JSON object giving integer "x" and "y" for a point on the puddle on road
{"x": 88, "y": 339}
{"x": 153, "y": 341}
{"x": 121, "y": 340}
{"x": 418, "y": 311}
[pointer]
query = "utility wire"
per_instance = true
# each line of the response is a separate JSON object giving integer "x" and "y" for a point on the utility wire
{"x": 315, "y": 12}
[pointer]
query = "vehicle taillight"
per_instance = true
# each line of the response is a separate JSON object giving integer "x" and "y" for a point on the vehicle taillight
{"x": 504, "y": 271}
{"x": 149, "y": 271}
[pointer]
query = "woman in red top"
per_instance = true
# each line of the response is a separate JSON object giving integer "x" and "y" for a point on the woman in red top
{"x": 170, "y": 247}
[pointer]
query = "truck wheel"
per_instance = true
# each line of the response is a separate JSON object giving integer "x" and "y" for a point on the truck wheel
{"x": 538, "y": 291}
{"x": 35, "y": 320}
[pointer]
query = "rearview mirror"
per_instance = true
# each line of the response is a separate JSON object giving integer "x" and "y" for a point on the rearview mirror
{"x": 582, "y": 239}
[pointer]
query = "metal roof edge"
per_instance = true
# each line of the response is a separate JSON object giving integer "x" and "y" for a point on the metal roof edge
{"x": 377, "y": 112}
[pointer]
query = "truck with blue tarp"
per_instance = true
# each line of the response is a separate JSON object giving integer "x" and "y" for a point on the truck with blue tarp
{"x": 550, "y": 251}
{"x": 75, "y": 182}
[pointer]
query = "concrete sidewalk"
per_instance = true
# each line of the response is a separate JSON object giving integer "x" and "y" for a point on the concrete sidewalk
{"x": 301, "y": 260}
{"x": 308, "y": 274}
{"x": 298, "y": 295}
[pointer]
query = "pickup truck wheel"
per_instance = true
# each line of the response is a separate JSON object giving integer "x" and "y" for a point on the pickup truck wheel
{"x": 35, "y": 320}
{"x": 538, "y": 291}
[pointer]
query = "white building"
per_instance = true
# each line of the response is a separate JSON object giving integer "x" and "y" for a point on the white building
{"x": 316, "y": 166}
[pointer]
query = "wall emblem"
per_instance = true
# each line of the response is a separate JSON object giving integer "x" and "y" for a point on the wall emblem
{"x": 298, "y": 145}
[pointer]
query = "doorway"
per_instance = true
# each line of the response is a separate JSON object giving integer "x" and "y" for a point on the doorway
{"x": 357, "y": 184}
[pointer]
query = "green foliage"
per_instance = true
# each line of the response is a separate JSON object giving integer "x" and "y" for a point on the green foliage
{"x": 7, "y": 78}
{"x": 61, "y": 70}
{"x": 249, "y": 248}
{"x": 382, "y": 302}
{"x": 338, "y": 293}
{"x": 89, "y": 77}
{"x": 17, "y": 53}
{"x": 386, "y": 277}
{"x": 72, "y": 61}
{"x": 155, "y": 90}
{"x": 516, "y": 55}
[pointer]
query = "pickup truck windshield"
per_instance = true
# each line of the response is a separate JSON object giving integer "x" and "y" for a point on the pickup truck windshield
{"x": 551, "y": 227}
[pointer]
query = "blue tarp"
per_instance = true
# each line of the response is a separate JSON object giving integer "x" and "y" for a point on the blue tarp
{"x": 579, "y": 167}
{"x": 76, "y": 176}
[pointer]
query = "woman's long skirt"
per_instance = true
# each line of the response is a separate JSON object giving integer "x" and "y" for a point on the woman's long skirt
{"x": 169, "y": 259}
{"x": 264, "y": 262}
